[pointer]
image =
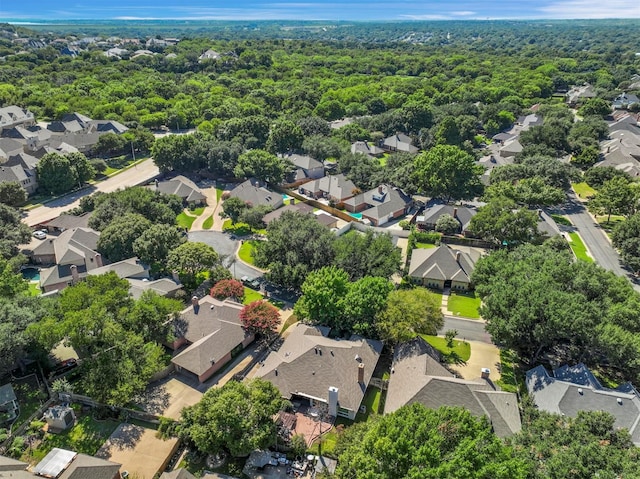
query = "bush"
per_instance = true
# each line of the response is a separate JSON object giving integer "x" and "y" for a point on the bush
{"x": 99, "y": 165}
{"x": 405, "y": 225}
{"x": 422, "y": 237}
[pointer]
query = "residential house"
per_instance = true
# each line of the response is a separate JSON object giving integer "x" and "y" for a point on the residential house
{"x": 364, "y": 148}
{"x": 117, "y": 53}
{"x": 380, "y": 205}
{"x": 73, "y": 255}
{"x": 624, "y": 101}
{"x": 578, "y": 94}
{"x": 28, "y": 164}
{"x": 305, "y": 167}
{"x": 329, "y": 221}
{"x": 209, "y": 55}
{"x": 294, "y": 206}
{"x": 64, "y": 464}
{"x": 430, "y": 216}
{"x": 443, "y": 267}
{"x": 571, "y": 389}
{"x": 399, "y": 143}
{"x": 17, "y": 174}
{"x": 417, "y": 376}
{"x": 331, "y": 375}
{"x": 8, "y": 404}
{"x": 335, "y": 188}
{"x": 255, "y": 192}
{"x": 510, "y": 148}
{"x": 209, "y": 333}
{"x": 12, "y": 116}
{"x": 66, "y": 222}
{"x": 622, "y": 149}
{"x": 183, "y": 187}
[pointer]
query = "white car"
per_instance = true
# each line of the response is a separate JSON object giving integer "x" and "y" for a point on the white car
{"x": 40, "y": 234}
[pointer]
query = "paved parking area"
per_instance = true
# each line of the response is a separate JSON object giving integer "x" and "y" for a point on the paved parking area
{"x": 138, "y": 449}
{"x": 169, "y": 397}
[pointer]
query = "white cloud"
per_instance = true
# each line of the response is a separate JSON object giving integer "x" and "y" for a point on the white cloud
{"x": 592, "y": 9}
{"x": 463, "y": 13}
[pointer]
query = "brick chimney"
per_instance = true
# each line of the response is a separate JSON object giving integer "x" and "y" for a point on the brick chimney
{"x": 380, "y": 189}
{"x": 361, "y": 373}
{"x": 75, "y": 277}
{"x": 455, "y": 212}
{"x": 484, "y": 373}
{"x": 99, "y": 260}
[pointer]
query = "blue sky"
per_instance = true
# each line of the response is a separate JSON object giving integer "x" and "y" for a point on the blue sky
{"x": 317, "y": 10}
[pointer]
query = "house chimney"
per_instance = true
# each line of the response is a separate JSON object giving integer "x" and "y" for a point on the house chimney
{"x": 175, "y": 276}
{"x": 195, "y": 304}
{"x": 539, "y": 213}
{"x": 457, "y": 256}
{"x": 361, "y": 373}
{"x": 75, "y": 277}
{"x": 455, "y": 212}
{"x": 484, "y": 373}
{"x": 99, "y": 260}
{"x": 380, "y": 189}
{"x": 333, "y": 401}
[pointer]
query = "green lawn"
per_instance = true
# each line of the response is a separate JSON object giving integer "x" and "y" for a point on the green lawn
{"x": 461, "y": 350}
{"x": 185, "y": 221}
{"x": 240, "y": 229}
{"x": 372, "y": 402}
{"x": 208, "y": 223}
{"x": 437, "y": 294}
{"x": 34, "y": 289}
{"x": 291, "y": 320}
{"x": 383, "y": 159}
{"x": 251, "y": 295}
{"x": 464, "y": 304}
{"x": 246, "y": 251}
{"x": 608, "y": 225}
{"x": 326, "y": 444}
{"x": 425, "y": 245}
{"x": 578, "y": 247}
{"x": 219, "y": 192}
{"x": 86, "y": 437}
{"x": 583, "y": 190}
{"x": 561, "y": 220}
{"x": 197, "y": 211}
{"x": 507, "y": 381}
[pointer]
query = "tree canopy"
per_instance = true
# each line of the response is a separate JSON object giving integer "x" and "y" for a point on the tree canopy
{"x": 13, "y": 232}
{"x": 410, "y": 312}
{"x": 501, "y": 222}
{"x": 191, "y": 260}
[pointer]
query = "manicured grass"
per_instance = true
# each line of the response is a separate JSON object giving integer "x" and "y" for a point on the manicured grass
{"x": 425, "y": 245}
{"x": 609, "y": 225}
{"x": 251, "y": 295}
{"x": 291, "y": 320}
{"x": 326, "y": 444}
{"x": 372, "y": 402}
{"x": 34, "y": 289}
{"x": 246, "y": 251}
{"x": 438, "y": 294}
{"x": 30, "y": 398}
{"x": 583, "y": 190}
{"x": 507, "y": 381}
{"x": 208, "y": 223}
{"x": 461, "y": 350}
{"x": 197, "y": 211}
{"x": 86, "y": 437}
{"x": 578, "y": 248}
{"x": 219, "y": 192}
{"x": 464, "y": 304}
{"x": 240, "y": 229}
{"x": 561, "y": 220}
{"x": 185, "y": 221}
{"x": 383, "y": 159}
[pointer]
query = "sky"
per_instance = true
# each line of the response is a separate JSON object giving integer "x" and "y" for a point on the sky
{"x": 351, "y": 10}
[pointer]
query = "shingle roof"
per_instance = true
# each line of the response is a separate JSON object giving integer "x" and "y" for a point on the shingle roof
{"x": 253, "y": 192}
{"x": 463, "y": 214}
{"x": 441, "y": 264}
{"x": 127, "y": 268}
{"x": 337, "y": 186}
{"x": 400, "y": 142}
{"x": 71, "y": 246}
{"x": 300, "y": 207}
{"x": 8, "y": 464}
{"x": 12, "y": 174}
{"x": 418, "y": 376}
{"x": 213, "y": 330}
{"x": 364, "y": 148}
{"x": 66, "y": 221}
{"x": 162, "y": 286}
{"x": 309, "y": 363}
{"x": 7, "y": 394}
{"x": 182, "y": 187}
{"x": 304, "y": 161}
{"x": 14, "y": 115}
{"x": 578, "y": 391}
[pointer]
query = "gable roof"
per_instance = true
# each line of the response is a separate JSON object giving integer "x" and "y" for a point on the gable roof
{"x": 574, "y": 389}
{"x": 73, "y": 246}
{"x": 442, "y": 263}
{"x": 213, "y": 328}
{"x": 365, "y": 148}
{"x": 8, "y": 464}
{"x": 418, "y": 376}
{"x": 162, "y": 286}
{"x": 7, "y": 394}
{"x": 400, "y": 142}
{"x": 463, "y": 214}
{"x": 127, "y": 268}
{"x": 66, "y": 221}
{"x": 304, "y": 161}
{"x": 181, "y": 186}
{"x": 382, "y": 201}
{"x": 254, "y": 192}
{"x": 300, "y": 207}
{"x": 309, "y": 363}
{"x": 337, "y": 186}
{"x": 14, "y": 115}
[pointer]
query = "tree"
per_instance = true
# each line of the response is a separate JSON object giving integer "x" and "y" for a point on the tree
{"x": 527, "y": 191}
{"x": 447, "y": 224}
{"x": 13, "y": 232}
{"x": 448, "y": 172}
{"x": 191, "y": 260}
{"x": 12, "y": 193}
{"x": 363, "y": 303}
{"x": 237, "y": 417}
{"x": 253, "y": 217}
{"x": 410, "y": 312}
{"x": 233, "y": 208}
{"x": 553, "y": 172}
{"x": 55, "y": 174}
{"x": 450, "y": 335}
{"x": 110, "y": 144}
{"x": 11, "y": 281}
{"x": 418, "y": 442}
{"x": 582, "y": 447}
{"x": 262, "y": 165}
{"x": 228, "y": 288}
{"x": 626, "y": 237}
{"x": 369, "y": 254}
{"x": 595, "y": 106}
{"x": 297, "y": 244}
{"x": 155, "y": 243}
{"x": 596, "y": 176}
{"x": 117, "y": 240}
{"x": 285, "y": 136}
{"x": 502, "y": 223}
{"x": 260, "y": 317}
{"x": 323, "y": 295}
{"x": 615, "y": 196}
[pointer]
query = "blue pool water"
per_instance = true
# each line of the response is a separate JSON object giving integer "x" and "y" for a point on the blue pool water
{"x": 32, "y": 274}
{"x": 286, "y": 197}
{"x": 357, "y": 216}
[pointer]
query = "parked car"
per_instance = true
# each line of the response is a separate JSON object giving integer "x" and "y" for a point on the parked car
{"x": 40, "y": 234}
{"x": 66, "y": 365}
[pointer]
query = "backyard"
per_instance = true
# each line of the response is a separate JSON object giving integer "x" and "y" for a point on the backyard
{"x": 425, "y": 245}
{"x": 464, "y": 304}
{"x": 460, "y": 352}
{"x": 578, "y": 248}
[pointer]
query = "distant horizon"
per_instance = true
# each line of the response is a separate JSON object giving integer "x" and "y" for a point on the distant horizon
{"x": 288, "y": 10}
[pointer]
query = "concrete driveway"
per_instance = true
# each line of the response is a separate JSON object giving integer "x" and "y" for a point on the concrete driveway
{"x": 483, "y": 355}
{"x": 168, "y": 397}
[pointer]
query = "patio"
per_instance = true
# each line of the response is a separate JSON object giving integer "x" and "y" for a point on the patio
{"x": 306, "y": 421}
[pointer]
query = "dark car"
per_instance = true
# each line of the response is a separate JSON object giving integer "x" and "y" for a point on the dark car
{"x": 66, "y": 365}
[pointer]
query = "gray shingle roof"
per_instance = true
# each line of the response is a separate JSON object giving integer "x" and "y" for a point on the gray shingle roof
{"x": 382, "y": 201}
{"x": 400, "y": 142}
{"x": 366, "y": 149}
{"x": 441, "y": 264}
{"x": 304, "y": 161}
{"x": 309, "y": 363}
{"x": 578, "y": 391}
{"x": 255, "y": 193}
{"x": 66, "y": 221}
{"x": 162, "y": 286}
{"x": 463, "y": 214}
{"x": 127, "y": 268}
{"x": 300, "y": 207}
{"x": 182, "y": 187}
{"x": 8, "y": 464}
{"x": 336, "y": 186}
{"x": 418, "y": 376}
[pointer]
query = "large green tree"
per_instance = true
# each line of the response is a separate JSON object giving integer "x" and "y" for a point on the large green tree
{"x": 626, "y": 237}
{"x": 12, "y": 193}
{"x": 237, "y": 417}
{"x": 410, "y": 312}
{"x": 116, "y": 240}
{"x": 284, "y": 136}
{"x": 191, "y": 260}
{"x": 368, "y": 254}
{"x": 13, "y": 231}
{"x": 155, "y": 243}
{"x": 501, "y": 222}
{"x": 262, "y": 165}
{"x": 416, "y": 442}
{"x": 448, "y": 172}
{"x": 616, "y": 196}
{"x": 530, "y": 192}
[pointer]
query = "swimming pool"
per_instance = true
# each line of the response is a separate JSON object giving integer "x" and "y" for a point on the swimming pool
{"x": 357, "y": 216}
{"x": 32, "y": 274}
{"x": 286, "y": 197}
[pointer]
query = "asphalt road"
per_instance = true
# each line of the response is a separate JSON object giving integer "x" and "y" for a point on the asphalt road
{"x": 469, "y": 330}
{"x": 139, "y": 174}
{"x": 594, "y": 237}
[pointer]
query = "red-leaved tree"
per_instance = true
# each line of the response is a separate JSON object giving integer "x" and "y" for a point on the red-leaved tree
{"x": 228, "y": 288}
{"x": 260, "y": 317}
